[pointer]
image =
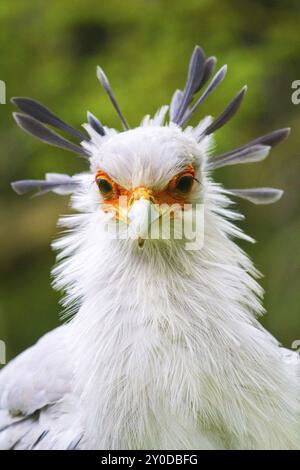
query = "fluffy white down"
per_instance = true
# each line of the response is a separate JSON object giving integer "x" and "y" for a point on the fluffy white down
{"x": 165, "y": 348}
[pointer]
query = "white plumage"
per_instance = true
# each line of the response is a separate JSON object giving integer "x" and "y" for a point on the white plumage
{"x": 165, "y": 350}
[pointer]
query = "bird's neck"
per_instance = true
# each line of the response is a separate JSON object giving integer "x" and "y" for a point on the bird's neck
{"x": 149, "y": 319}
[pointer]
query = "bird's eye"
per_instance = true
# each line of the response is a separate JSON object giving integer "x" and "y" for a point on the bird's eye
{"x": 105, "y": 186}
{"x": 184, "y": 183}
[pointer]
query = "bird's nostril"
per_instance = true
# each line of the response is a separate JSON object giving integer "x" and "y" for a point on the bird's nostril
{"x": 141, "y": 193}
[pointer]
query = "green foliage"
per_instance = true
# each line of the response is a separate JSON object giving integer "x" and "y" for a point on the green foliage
{"x": 49, "y": 51}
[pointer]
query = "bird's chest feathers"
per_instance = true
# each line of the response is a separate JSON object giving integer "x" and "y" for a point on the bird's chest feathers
{"x": 143, "y": 355}
{"x": 155, "y": 345}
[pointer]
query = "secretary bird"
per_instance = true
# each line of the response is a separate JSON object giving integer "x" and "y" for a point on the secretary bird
{"x": 163, "y": 348}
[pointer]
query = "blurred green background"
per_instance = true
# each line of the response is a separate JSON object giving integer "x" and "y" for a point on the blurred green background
{"x": 49, "y": 51}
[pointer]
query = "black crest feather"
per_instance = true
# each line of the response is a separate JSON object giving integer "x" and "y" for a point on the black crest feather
{"x": 184, "y": 103}
{"x": 35, "y": 128}
{"x": 42, "y": 114}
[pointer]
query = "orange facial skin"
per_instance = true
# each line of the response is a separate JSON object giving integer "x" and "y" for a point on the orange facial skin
{"x": 169, "y": 195}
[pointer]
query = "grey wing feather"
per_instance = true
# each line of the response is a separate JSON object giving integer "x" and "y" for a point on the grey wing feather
{"x": 38, "y": 408}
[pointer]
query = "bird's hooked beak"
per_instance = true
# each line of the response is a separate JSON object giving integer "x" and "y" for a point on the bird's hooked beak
{"x": 142, "y": 212}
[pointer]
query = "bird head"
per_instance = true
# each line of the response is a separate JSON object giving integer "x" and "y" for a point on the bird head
{"x": 146, "y": 179}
